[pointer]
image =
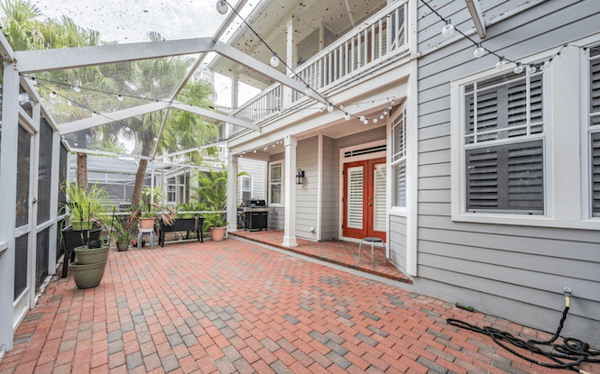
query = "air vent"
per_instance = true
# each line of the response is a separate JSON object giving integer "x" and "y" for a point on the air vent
{"x": 365, "y": 151}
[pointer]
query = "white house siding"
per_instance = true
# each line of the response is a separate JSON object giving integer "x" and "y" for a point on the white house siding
{"x": 515, "y": 272}
{"x": 307, "y": 159}
{"x": 372, "y": 135}
{"x": 329, "y": 189}
{"x": 397, "y": 241}
{"x": 258, "y": 173}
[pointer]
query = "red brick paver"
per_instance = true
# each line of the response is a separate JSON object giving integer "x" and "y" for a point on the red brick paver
{"x": 335, "y": 251}
{"x": 234, "y": 307}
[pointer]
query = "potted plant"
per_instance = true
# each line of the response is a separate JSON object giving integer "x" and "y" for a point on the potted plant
{"x": 85, "y": 207}
{"x": 122, "y": 235}
{"x": 148, "y": 209}
{"x": 217, "y": 225}
{"x": 88, "y": 271}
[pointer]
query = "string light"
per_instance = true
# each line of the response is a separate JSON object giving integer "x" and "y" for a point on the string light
{"x": 330, "y": 108}
{"x": 53, "y": 95}
{"x": 518, "y": 68}
{"x": 221, "y": 7}
{"x": 366, "y": 121}
{"x": 347, "y": 116}
{"x": 120, "y": 97}
{"x": 448, "y": 30}
{"x": 500, "y": 64}
{"x": 307, "y": 91}
{"x": 274, "y": 60}
{"x": 477, "y": 53}
{"x": 381, "y": 116}
{"x": 531, "y": 69}
{"x": 374, "y": 119}
{"x": 76, "y": 89}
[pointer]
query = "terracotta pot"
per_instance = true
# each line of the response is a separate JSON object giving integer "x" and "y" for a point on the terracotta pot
{"x": 87, "y": 256}
{"x": 147, "y": 223}
{"x": 217, "y": 234}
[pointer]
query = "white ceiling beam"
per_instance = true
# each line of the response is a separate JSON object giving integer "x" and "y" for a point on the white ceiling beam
{"x": 35, "y": 96}
{"x": 68, "y": 58}
{"x": 6, "y": 50}
{"x": 252, "y": 63}
{"x": 477, "y": 16}
{"x": 214, "y": 115}
{"x": 100, "y": 120}
{"x": 217, "y": 144}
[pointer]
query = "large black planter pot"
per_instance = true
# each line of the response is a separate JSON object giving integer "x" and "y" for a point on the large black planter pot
{"x": 87, "y": 256}
{"x": 87, "y": 276}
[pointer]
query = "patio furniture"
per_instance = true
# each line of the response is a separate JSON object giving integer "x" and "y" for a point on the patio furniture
{"x": 372, "y": 241}
{"x": 182, "y": 224}
{"x": 72, "y": 239}
{"x": 141, "y": 233}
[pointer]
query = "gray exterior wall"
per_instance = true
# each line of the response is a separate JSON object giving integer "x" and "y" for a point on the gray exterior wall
{"x": 514, "y": 272}
{"x": 307, "y": 159}
{"x": 329, "y": 191}
{"x": 397, "y": 242}
{"x": 378, "y": 133}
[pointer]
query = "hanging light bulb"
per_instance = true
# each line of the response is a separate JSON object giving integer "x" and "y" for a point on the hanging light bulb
{"x": 221, "y": 7}
{"x": 69, "y": 103}
{"x": 393, "y": 101}
{"x": 321, "y": 109}
{"x": 77, "y": 89}
{"x": 385, "y": 112}
{"x": 241, "y": 156}
{"x": 53, "y": 95}
{"x": 330, "y": 108}
{"x": 244, "y": 152}
{"x": 366, "y": 121}
{"x": 341, "y": 107}
{"x": 531, "y": 69}
{"x": 274, "y": 60}
{"x": 120, "y": 98}
{"x": 518, "y": 68}
{"x": 500, "y": 64}
{"x": 273, "y": 145}
{"x": 33, "y": 81}
{"x": 477, "y": 53}
{"x": 448, "y": 30}
{"x": 255, "y": 151}
{"x": 265, "y": 148}
{"x": 381, "y": 116}
{"x": 94, "y": 114}
{"x": 362, "y": 118}
{"x": 375, "y": 120}
{"x": 347, "y": 116}
{"x": 307, "y": 91}
{"x": 390, "y": 107}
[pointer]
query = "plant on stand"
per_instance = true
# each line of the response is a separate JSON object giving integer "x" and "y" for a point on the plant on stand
{"x": 122, "y": 234}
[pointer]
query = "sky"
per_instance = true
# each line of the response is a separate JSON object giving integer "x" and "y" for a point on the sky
{"x": 129, "y": 21}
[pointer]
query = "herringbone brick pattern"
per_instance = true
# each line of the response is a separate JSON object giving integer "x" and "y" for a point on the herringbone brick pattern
{"x": 233, "y": 307}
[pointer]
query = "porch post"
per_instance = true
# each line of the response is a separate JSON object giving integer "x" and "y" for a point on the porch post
{"x": 8, "y": 201}
{"x": 292, "y": 57}
{"x": 232, "y": 172}
{"x": 289, "y": 181}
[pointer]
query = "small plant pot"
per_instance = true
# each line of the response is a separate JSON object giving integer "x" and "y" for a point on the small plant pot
{"x": 87, "y": 256}
{"x": 87, "y": 276}
{"x": 82, "y": 225}
{"x": 146, "y": 223}
{"x": 123, "y": 245}
{"x": 217, "y": 234}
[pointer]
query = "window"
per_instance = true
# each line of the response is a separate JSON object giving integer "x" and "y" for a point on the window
{"x": 594, "y": 130}
{"x": 398, "y": 161}
{"x": 276, "y": 183}
{"x": 246, "y": 187}
{"x": 171, "y": 191}
{"x": 503, "y": 144}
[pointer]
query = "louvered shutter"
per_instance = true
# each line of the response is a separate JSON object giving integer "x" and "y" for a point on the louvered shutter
{"x": 595, "y": 177}
{"x": 400, "y": 172}
{"x": 595, "y": 87}
{"x": 355, "y": 197}
{"x": 506, "y": 179}
{"x": 379, "y": 198}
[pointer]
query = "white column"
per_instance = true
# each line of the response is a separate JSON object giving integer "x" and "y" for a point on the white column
{"x": 289, "y": 182}
{"x": 232, "y": 172}
{"x": 291, "y": 58}
{"x": 8, "y": 200}
{"x": 54, "y": 188}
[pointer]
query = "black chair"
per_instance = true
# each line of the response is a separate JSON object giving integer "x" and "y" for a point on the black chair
{"x": 72, "y": 239}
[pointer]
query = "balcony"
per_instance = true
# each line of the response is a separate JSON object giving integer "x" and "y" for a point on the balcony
{"x": 377, "y": 40}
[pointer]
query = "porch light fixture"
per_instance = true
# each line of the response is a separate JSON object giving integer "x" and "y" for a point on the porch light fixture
{"x": 477, "y": 53}
{"x": 221, "y": 7}
{"x": 300, "y": 177}
{"x": 448, "y": 30}
{"x": 274, "y": 60}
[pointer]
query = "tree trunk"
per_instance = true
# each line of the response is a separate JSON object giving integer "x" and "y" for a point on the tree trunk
{"x": 141, "y": 174}
{"x": 82, "y": 177}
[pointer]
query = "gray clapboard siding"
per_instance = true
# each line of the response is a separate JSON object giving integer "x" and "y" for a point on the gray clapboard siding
{"x": 257, "y": 171}
{"x": 307, "y": 193}
{"x": 372, "y": 135}
{"x": 397, "y": 241}
{"x": 329, "y": 188}
{"x": 515, "y": 272}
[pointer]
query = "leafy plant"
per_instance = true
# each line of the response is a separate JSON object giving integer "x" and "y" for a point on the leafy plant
{"x": 86, "y": 206}
{"x": 212, "y": 220}
{"x": 121, "y": 232}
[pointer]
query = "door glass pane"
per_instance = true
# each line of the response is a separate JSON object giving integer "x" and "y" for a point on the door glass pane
{"x": 355, "y": 197}
{"x": 42, "y": 255}
{"x": 21, "y": 264}
{"x": 276, "y": 194}
{"x": 44, "y": 171}
{"x": 379, "y": 198}
{"x": 62, "y": 177}
{"x": 23, "y": 165}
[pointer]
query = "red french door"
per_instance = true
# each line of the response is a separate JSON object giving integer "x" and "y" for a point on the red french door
{"x": 364, "y": 200}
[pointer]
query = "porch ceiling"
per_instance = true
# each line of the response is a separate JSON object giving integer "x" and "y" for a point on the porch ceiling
{"x": 270, "y": 23}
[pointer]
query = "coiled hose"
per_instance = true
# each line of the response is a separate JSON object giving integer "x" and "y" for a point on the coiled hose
{"x": 568, "y": 355}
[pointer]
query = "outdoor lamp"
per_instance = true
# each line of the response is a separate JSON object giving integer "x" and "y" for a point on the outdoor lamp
{"x": 300, "y": 176}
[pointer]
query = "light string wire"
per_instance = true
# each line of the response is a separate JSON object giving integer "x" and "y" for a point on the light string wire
{"x": 480, "y": 45}
{"x": 36, "y": 79}
{"x": 347, "y": 115}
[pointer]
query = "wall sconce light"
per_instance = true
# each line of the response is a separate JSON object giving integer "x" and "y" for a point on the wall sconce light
{"x": 300, "y": 176}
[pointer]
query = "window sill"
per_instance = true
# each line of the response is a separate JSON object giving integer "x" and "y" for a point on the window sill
{"x": 519, "y": 220}
{"x": 400, "y": 212}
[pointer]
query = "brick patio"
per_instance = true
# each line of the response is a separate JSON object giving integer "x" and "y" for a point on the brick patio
{"x": 335, "y": 251}
{"x": 236, "y": 307}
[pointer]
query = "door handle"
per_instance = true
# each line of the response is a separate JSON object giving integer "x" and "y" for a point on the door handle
{"x": 370, "y": 204}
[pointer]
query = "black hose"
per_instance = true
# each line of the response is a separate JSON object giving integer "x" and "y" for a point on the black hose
{"x": 568, "y": 355}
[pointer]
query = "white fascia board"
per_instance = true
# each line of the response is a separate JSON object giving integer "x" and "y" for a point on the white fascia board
{"x": 68, "y": 58}
{"x": 6, "y": 51}
{"x": 100, "y": 120}
{"x": 214, "y": 115}
{"x": 252, "y": 63}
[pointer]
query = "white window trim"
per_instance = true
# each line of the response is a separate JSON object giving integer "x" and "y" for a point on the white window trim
{"x": 401, "y": 211}
{"x": 241, "y": 183}
{"x": 282, "y": 184}
{"x": 558, "y": 210}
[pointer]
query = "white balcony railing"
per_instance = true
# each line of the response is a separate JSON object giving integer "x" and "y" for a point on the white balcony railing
{"x": 379, "y": 38}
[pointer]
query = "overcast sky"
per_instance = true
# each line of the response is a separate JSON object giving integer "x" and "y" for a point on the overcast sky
{"x": 129, "y": 21}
